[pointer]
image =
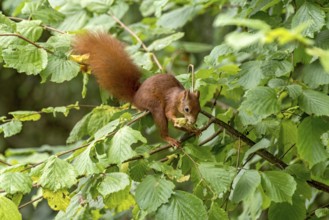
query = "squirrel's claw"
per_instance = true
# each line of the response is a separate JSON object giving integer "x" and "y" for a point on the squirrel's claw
{"x": 173, "y": 142}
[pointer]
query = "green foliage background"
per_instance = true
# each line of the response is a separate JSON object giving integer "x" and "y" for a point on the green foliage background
{"x": 70, "y": 151}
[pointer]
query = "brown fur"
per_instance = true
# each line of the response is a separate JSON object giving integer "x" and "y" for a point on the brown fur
{"x": 110, "y": 63}
{"x": 162, "y": 94}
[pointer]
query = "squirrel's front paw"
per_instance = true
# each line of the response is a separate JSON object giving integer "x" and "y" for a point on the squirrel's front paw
{"x": 173, "y": 142}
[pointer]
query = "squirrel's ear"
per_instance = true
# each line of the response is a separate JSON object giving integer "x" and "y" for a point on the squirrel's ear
{"x": 197, "y": 94}
{"x": 185, "y": 96}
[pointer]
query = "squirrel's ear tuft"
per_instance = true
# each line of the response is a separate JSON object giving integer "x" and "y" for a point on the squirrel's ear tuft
{"x": 197, "y": 94}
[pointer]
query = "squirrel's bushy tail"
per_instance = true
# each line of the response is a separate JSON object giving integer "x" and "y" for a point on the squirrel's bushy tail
{"x": 110, "y": 63}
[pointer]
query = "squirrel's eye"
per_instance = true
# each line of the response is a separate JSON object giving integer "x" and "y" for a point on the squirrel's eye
{"x": 186, "y": 109}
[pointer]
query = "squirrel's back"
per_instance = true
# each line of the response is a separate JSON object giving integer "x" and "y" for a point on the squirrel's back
{"x": 110, "y": 63}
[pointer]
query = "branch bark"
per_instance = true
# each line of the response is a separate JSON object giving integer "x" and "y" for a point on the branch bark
{"x": 262, "y": 152}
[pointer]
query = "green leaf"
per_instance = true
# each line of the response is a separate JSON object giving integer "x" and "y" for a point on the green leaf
{"x": 11, "y": 128}
{"x": 299, "y": 170}
{"x": 251, "y": 74}
{"x": 42, "y": 11}
{"x": 164, "y": 42}
{"x": 120, "y": 201}
{"x": 278, "y": 185}
{"x": 218, "y": 177}
{"x": 113, "y": 182}
{"x": 75, "y": 20}
{"x": 314, "y": 75}
{"x": 103, "y": 132}
{"x": 79, "y": 130}
{"x": 314, "y": 103}
{"x": 202, "y": 154}
{"x": 277, "y": 68}
{"x": 143, "y": 59}
{"x": 8, "y": 210}
{"x": 60, "y": 70}
{"x": 245, "y": 185}
{"x": 294, "y": 91}
{"x": 183, "y": 206}
{"x": 224, "y": 20}
{"x": 15, "y": 183}
{"x": 59, "y": 43}
{"x": 32, "y": 30}
{"x": 309, "y": 145}
{"x": 65, "y": 110}
{"x": 166, "y": 169}
{"x": 216, "y": 212}
{"x": 7, "y": 26}
{"x": 152, "y": 192}
{"x": 179, "y": 17}
{"x": 288, "y": 133}
{"x": 97, "y": 6}
{"x": 28, "y": 59}
{"x": 84, "y": 165}
{"x": 58, "y": 174}
{"x": 259, "y": 103}
{"x": 48, "y": 15}
{"x": 322, "y": 54}
{"x": 239, "y": 40}
{"x": 26, "y": 115}
{"x": 262, "y": 144}
{"x": 216, "y": 53}
{"x": 284, "y": 210}
{"x": 311, "y": 16}
{"x": 322, "y": 212}
{"x": 138, "y": 170}
{"x": 120, "y": 145}
{"x": 100, "y": 117}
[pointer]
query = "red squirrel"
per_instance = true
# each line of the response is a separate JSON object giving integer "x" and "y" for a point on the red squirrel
{"x": 162, "y": 94}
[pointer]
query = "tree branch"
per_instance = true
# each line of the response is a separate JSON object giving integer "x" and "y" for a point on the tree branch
{"x": 262, "y": 152}
{"x": 27, "y": 40}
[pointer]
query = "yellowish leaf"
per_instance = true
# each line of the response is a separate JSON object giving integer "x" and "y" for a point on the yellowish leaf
{"x": 58, "y": 200}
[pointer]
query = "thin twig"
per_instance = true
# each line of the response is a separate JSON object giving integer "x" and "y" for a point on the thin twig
{"x": 285, "y": 153}
{"x": 211, "y": 137}
{"x": 138, "y": 39}
{"x": 216, "y": 97}
{"x": 27, "y": 40}
{"x": 5, "y": 163}
{"x": 191, "y": 67}
{"x": 42, "y": 25}
{"x": 238, "y": 155}
{"x": 30, "y": 202}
